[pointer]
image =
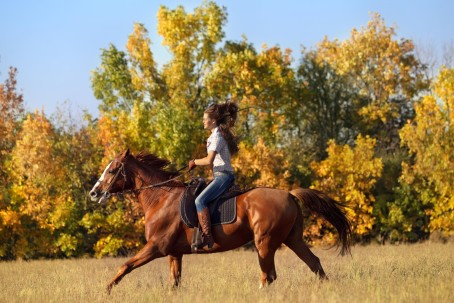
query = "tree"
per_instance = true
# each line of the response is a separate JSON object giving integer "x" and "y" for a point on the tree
{"x": 11, "y": 114}
{"x": 263, "y": 82}
{"x": 112, "y": 84}
{"x": 349, "y": 175}
{"x": 33, "y": 197}
{"x": 326, "y": 111}
{"x": 11, "y": 111}
{"x": 430, "y": 139}
{"x": 385, "y": 75}
{"x": 265, "y": 166}
{"x": 386, "y": 78}
{"x": 192, "y": 40}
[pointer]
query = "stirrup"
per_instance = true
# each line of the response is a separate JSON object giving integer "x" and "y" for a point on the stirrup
{"x": 195, "y": 240}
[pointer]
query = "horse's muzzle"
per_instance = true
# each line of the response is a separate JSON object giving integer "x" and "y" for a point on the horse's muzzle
{"x": 104, "y": 198}
{"x": 94, "y": 195}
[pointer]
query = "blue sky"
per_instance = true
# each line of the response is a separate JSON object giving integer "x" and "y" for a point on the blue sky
{"x": 56, "y": 44}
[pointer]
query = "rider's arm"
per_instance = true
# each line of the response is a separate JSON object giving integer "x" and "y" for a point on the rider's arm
{"x": 208, "y": 160}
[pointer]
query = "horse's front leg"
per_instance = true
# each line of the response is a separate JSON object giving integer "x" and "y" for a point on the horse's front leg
{"x": 145, "y": 255}
{"x": 175, "y": 269}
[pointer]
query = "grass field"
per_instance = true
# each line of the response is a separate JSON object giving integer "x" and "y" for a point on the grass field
{"x": 405, "y": 273}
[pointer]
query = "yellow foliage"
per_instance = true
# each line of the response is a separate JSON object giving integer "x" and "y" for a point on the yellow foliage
{"x": 260, "y": 165}
{"x": 110, "y": 137}
{"x": 9, "y": 218}
{"x": 374, "y": 61}
{"x": 191, "y": 38}
{"x": 67, "y": 244}
{"x": 41, "y": 192}
{"x": 36, "y": 169}
{"x": 143, "y": 71}
{"x": 31, "y": 155}
{"x": 13, "y": 235}
{"x": 348, "y": 175}
{"x": 108, "y": 246}
{"x": 430, "y": 138}
{"x": 11, "y": 109}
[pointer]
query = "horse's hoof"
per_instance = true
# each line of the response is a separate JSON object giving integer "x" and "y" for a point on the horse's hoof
{"x": 109, "y": 288}
{"x": 323, "y": 277}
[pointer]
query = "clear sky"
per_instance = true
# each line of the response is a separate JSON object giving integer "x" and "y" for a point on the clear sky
{"x": 55, "y": 44}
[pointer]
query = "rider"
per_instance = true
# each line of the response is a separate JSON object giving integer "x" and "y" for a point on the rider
{"x": 221, "y": 144}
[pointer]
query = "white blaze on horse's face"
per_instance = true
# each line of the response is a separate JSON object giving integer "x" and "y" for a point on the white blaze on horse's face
{"x": 103, "y": 175}
{"x": 94, "y": 190}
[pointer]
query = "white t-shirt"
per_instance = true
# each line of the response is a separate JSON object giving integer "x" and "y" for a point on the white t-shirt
{"x": 218, "y": 144}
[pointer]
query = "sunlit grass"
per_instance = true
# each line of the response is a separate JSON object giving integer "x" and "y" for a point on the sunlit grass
{"x": 406, "y": 273}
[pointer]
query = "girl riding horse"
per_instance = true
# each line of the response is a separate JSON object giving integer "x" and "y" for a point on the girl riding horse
{"x": 221, "y": 145}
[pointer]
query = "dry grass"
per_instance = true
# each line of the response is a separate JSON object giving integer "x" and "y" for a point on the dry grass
{"x": 414, "y": 273}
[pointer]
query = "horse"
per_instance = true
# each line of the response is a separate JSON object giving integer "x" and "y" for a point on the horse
{"x": 270, "y": 217}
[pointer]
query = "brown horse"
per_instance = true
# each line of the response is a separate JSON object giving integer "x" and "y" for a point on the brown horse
{"x": 270, "y": 217}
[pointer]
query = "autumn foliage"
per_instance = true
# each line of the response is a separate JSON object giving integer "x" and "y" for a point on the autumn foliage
{"x": 430, "y": 139}
{"x": 357, "y": 119}
{"x": 349, "y": 175}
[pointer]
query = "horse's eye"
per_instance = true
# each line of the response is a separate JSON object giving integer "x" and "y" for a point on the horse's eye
{"x": 112, "y": 171}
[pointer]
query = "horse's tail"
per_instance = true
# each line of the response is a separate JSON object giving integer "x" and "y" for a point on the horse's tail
{"x": 331, "y": 210}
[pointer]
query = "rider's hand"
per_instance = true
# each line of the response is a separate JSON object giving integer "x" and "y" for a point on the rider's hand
{"x": 191, "y": 165}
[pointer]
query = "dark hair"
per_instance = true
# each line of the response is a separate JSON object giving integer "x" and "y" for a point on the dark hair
{"x": 225, "y": 115}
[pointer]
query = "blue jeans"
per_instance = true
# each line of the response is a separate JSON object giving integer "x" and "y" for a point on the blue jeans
{"x": 221, "y": 182}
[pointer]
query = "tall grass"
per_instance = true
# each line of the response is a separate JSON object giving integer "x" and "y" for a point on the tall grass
{"x": 406, "y": 273}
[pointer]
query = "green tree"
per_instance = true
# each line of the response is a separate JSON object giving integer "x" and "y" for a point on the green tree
{"x": 112, "y": 84}
{"x": 192, "y": 40}
{"x": 326, "y": 111}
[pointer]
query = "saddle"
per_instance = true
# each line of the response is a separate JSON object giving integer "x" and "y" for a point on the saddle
{"x": 222, "y": 210}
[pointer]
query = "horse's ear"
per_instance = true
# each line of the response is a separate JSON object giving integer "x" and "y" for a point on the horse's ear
{"x": 125, "y": 153}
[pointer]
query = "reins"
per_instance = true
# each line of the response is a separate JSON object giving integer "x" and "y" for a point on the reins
{"x": 107, "y": 194}
{"x": 160, "y": 183}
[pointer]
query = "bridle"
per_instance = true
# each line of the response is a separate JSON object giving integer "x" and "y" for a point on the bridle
{"x": 122, "y": 170}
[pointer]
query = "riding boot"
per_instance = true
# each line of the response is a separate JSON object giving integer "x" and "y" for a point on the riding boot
{"x": 205, "y": 224}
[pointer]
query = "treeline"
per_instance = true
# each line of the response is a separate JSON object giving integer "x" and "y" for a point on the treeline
{"x": 358, "y": 119}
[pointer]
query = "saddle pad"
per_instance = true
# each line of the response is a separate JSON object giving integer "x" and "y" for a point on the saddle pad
{"x": 222, "y": 211}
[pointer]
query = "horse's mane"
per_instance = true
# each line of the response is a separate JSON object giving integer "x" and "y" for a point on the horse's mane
{"x": 156, "y": 164}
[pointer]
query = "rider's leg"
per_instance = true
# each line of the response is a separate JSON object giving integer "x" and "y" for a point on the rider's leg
{"x": 221, "y": 182}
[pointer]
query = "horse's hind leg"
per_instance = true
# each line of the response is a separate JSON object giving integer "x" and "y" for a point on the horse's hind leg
{"x": 300, "y": 248}
{"x": 266, "y": 260}
{"x": 175, "y": 270}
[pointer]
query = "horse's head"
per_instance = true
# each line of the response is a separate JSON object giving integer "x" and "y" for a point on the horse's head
{"x": 114, "y": 179}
